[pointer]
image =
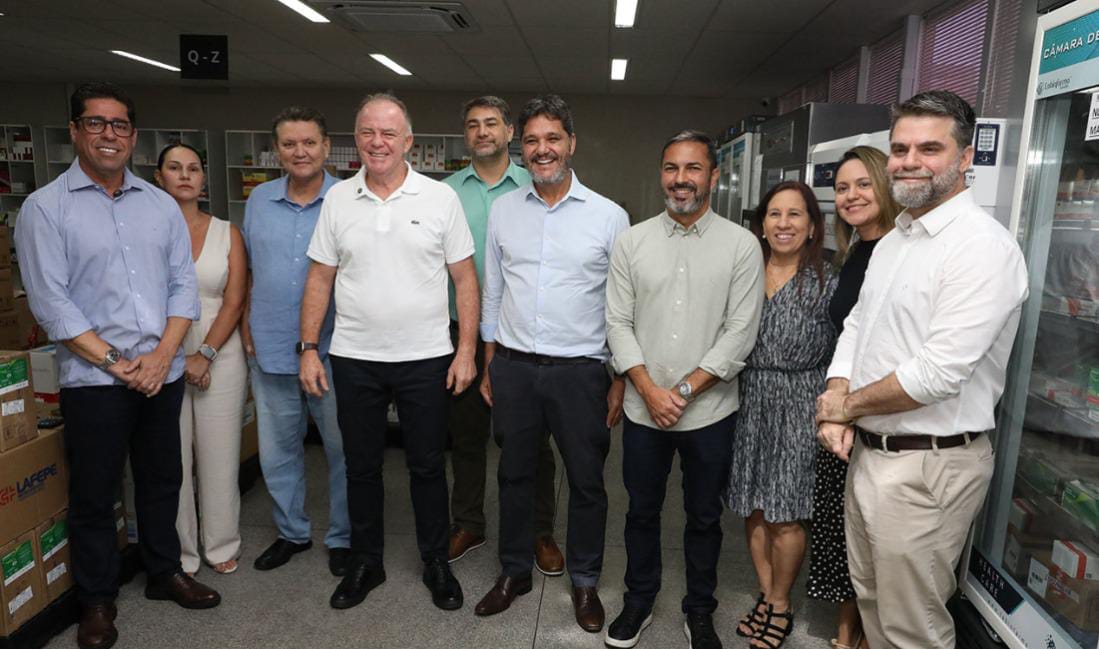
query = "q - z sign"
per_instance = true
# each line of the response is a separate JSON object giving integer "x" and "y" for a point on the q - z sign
{"x": 203, "y": 56}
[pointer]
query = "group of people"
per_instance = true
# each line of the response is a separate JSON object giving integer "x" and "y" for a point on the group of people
{"x": 854, "y": 393}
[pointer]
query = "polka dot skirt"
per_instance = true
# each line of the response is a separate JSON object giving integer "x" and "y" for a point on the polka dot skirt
{"x": 829, "y": 579}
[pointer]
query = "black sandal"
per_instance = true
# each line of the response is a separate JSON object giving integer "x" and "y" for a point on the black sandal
{"x": 773, "y": 636}
{"x": 755, "y": 618}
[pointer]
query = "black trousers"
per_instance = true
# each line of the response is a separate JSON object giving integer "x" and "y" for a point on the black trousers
{"x": 363, "y": 390}
{"x": 704, "y": 455}
{"x": 571, "y": 402}
{"x": 102, "y": 424}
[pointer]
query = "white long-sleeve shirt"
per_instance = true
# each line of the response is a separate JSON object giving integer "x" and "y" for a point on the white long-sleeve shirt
{"x": 940, "y": 307}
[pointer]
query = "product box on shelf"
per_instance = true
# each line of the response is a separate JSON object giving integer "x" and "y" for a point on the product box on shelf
{"x": 45, "y": 372}
{"x": 1081, "y": 499}
{"x": 18, "y": 422}
{"x": 1021, "y": 515}
{"x": 23, "y": 590}
{"x": 1076, "y": 599}
{"x": 1018, "y": 549}
{"x": 34, "y": 483}
{"x": 52, "y": 545}
{"x": 1075, "y": 559}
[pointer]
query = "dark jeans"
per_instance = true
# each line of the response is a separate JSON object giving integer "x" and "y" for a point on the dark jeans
{"x": 571, "y": 402}
{"x": 469, "y": 429}
{"x": 363, "y": 390}
{"x": 704, "y": 455}
{"x": 102, "y": 424}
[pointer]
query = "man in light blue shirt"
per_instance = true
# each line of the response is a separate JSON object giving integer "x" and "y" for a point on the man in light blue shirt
{"x": 279, "y": 219}
{"x": 488, "y": 131}
{"x": 546, "y": 262}
{"x": 106, "y": 261}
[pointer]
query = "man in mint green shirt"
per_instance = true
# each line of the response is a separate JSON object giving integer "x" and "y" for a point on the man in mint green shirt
{"x": 488, "y": 130}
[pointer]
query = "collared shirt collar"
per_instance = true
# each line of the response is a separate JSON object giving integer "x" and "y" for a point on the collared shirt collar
{"x": 78, "y": 179}
{"x": 577, "y": 190}
{"x": 511, "y": 172}
{"x": 937, "y": 219}
{"x": 284, "y": 187}
{"x": 671, "y": 226}
{"x": 412, "y": 184}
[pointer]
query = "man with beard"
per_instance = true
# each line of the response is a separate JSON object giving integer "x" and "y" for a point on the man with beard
{"x": 488, "y": 131}
{"x": 683, "y": 305}
{"x": 546, "y": 260}
{"x": 916, "y": 376}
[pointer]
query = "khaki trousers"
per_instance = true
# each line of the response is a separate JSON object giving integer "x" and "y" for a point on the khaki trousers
{"x": 908, "y": 515}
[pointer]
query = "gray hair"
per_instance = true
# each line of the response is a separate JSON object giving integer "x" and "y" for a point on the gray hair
{"x": 488, "y": 101}
{"x": 692, "y": 135}
{"x": 391, "y": 98}
{"x": 940, "y": 103}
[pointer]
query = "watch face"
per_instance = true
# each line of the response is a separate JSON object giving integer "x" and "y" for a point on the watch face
{"x": 113, "y": 355}
{"x": 684, "y": 390}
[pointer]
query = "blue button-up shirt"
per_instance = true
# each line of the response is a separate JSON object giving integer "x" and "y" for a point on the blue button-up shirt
{"x": 116, "y": 265}
{"x": 546, "y": 271}
{"x": 277, "y": 232}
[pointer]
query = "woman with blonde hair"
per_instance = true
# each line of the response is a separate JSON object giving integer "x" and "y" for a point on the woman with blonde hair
{"x": 866, "y": 211}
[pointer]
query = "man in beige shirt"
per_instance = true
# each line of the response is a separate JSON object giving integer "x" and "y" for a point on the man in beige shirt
{"x": 683, "y": 305}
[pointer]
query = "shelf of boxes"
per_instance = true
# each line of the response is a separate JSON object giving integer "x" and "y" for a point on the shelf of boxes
{"x": 250, "y": 160}
{"x": 438, "y": 155}
{"x": 17, "y": 169}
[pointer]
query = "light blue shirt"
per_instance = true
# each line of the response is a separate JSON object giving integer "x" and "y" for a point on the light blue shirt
{"x": 276, "y": 233}
{"x": 116, "y": 265}
{"x": 546, "y": 271}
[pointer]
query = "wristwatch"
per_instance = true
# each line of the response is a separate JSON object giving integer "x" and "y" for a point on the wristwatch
{"x": 207, "y": 352}
{"x": 304, "y": 347}
{"x": 110, "y": 358}
{"x": 684, "y": 389}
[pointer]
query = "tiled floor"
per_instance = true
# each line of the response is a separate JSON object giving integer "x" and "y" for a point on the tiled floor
{"x": 288, "y": 607}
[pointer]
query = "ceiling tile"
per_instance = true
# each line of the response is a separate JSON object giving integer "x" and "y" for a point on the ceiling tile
{"x": 568, "y": 14}
{"x": 591, "y": 42}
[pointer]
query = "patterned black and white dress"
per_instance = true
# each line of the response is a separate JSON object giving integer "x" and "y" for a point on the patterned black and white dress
{"x": 775, "y": 446}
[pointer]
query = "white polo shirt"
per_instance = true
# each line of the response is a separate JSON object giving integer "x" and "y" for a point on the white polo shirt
{"x": 391, "y": 257}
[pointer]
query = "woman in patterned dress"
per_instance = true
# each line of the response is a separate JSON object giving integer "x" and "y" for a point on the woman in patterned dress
{"x": 775, "y": 448}
{"x": 866, "y": 212}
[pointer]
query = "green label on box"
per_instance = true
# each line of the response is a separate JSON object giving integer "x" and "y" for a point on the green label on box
{"x": 13, "y": 375}
{"x": 17, "y": 562}
{"x": 54, "y": 539}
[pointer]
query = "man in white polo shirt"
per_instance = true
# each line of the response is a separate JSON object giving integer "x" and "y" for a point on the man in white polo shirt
{"x": 386, "y": 239}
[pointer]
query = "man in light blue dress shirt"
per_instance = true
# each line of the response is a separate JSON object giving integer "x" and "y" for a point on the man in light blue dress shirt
{"x": 547, "y": 257}
{"x": 106, "y": 261}
{"x": 278, "y": 223}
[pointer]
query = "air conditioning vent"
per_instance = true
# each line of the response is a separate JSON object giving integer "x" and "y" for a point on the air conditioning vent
{"x": 397, "y": 15}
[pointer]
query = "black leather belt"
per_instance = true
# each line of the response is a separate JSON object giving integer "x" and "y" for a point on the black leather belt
{"x": 914, "y": 442}
{"x": 542, "y": 359}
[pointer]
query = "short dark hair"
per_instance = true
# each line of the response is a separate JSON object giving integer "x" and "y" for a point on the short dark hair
{"x": 178, "y": 145}
{"x": 385, "y": 96}
{"x": 812, "y": 253}
{"x": 100, "y": 90}
{"x": 488, "y": 101}
{"x": 299, "y": 114}
{"x": 940, "y": 103}
{"x": 692, "y": 135}
{"x": 551, "y": 106}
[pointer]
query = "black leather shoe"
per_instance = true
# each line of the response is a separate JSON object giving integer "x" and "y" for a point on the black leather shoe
{"x": 501, "y": 596}
{"x": 699, "y": 629}
{"x": 338, "y": 559}
{"x": 446, "y": 592}
{"x": 359, "y": 580}
{"x": 625, "y": 631}
{"x": 279, "y": 553}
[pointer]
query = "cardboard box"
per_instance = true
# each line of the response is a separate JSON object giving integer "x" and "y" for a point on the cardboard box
{"x": 23, "y": 591}
{"x": 18, "y": 422}
{"x": 10, "y": 336}
{"x": 7, "y": 288}
{"x": 1018, "y": 549}
{"x": 33, "y": 483}
{"x": 249, "y": 433}
{"x": 31, "y": 334}
{"x": 1075, "y": 559}
{"x": 5, "y": 247}
{"x": 1020, "y": 517}
{"x": 1075, "y": 599}
{"x": 52, "y": 547}
{"x": 46, "y": 373}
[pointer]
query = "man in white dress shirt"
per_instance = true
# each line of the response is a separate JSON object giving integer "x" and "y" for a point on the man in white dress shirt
{"x": 915, "y": 379}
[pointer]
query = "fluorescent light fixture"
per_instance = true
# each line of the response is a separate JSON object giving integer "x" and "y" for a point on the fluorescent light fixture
{"x": 391, "y": 64}
{"x": 625, "y": 13}
{"x": 135, "y": 57}
{"x": 305, "y": 10}
{"x": 618, "y": 69}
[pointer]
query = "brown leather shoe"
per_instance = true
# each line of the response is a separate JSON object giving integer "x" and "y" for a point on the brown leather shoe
{"x": 97, "y": 630}
{"x": 182, "y": 590}
{"x": 461, "y": 542}
{"x": 589, "y": 610}
{"x": 547, "y": 556}
{"x": 502, "y": 595}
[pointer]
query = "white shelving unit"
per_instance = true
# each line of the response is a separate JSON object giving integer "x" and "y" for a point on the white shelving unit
{"x": 17, "y": 168}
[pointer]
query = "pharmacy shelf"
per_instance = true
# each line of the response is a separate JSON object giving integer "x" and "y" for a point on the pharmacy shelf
{"x": 18, "y": 175}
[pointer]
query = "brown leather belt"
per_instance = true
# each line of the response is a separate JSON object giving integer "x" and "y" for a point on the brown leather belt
{"x": 914, "y": 442}
{"x": 542, "y": 359}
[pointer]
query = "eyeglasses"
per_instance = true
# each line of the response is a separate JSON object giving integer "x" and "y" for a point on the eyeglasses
{"x": 96, "y": 125}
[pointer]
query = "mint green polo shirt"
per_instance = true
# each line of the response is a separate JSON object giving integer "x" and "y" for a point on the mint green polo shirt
{"x": 477, "y": 197}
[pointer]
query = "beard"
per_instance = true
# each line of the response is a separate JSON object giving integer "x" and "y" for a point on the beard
{"x": 485, "y": 155}
{"x": 689, "y": 205}
{"x": 553, "y": 178}
{"x": 925, "y": 194}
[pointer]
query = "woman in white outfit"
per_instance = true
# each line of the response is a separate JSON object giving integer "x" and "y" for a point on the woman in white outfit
{"x": 216, "y": 373}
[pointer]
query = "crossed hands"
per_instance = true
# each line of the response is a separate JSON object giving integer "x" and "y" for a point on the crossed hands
{"x": 146, "y": 373}
{"x": 835, "y": 432}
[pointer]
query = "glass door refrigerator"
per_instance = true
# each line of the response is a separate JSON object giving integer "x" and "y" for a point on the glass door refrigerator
{"x": 1033, "y": 568}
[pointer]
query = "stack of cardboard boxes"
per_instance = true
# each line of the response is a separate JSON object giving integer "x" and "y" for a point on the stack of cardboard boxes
{"x": 34, "y": 553}
{"x": 18, "y": 330}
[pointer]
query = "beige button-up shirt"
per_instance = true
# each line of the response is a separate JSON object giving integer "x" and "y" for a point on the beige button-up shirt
{"x": 681, "y": 299}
